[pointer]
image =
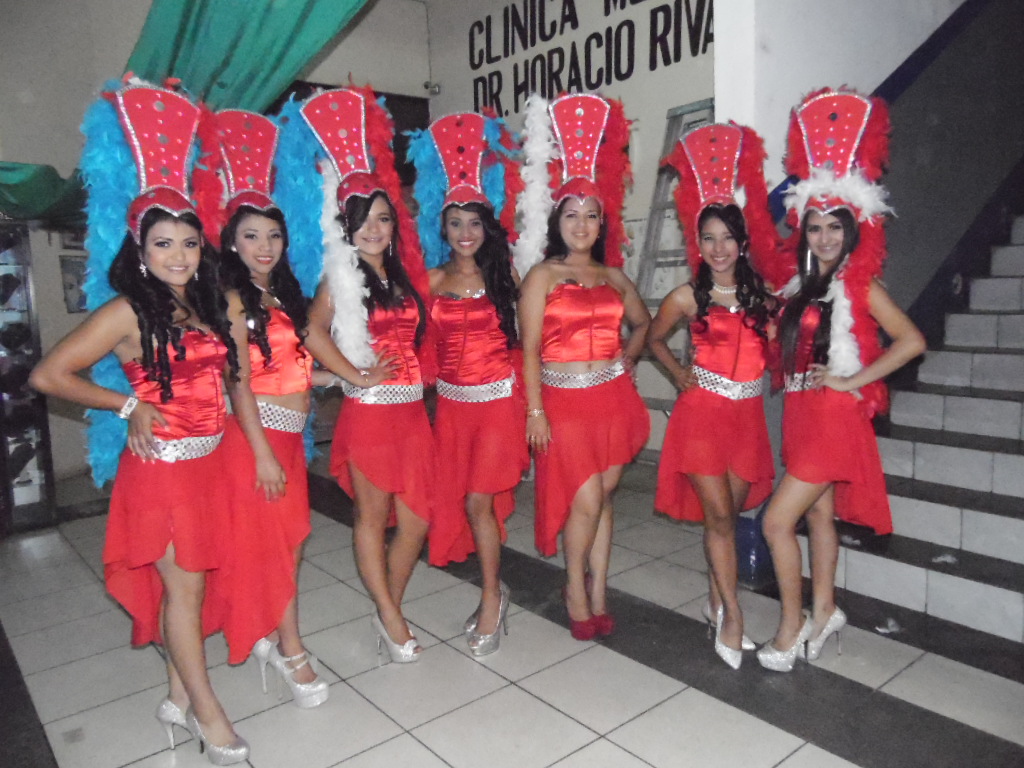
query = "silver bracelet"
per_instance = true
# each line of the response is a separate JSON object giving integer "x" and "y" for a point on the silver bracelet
{"x": 128, "y": 407}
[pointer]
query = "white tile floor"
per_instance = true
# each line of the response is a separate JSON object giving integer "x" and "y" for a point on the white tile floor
{"x": 543, "y": 700}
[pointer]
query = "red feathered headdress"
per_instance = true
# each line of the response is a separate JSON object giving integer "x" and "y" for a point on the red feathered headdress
{"x": 356, "y": 132}
{"x": 714, "y": 163}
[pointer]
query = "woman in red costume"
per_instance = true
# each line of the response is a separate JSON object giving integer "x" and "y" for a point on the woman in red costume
{"x": 832, "y": 359}
{"x": 480, "y": 422}
{"x": 717, "y": 459}
{"x": 267, "y": 532}
{"x": 383, "y": 449}
{"x": 585, "y": 419}
{"x": 172, "y": 331}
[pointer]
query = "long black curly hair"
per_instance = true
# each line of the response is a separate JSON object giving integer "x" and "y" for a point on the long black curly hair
{"x": 494, "y": 259}
{"x": 154, "y": 302}
{"x": 283, "y": 285}
{"x": 557, "y": 249}
{"x": 354, "y": 215}
{"x": 758, "y": 305}
{"x": 813, "y": 288}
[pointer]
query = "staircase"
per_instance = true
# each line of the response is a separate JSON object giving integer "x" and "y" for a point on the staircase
{"x": 953, "y": 452}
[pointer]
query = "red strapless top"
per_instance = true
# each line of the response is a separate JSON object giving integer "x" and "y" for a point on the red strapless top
{"x": 197, "y": 408}
{"x": 582, "y": 324}
{"x": 728, "y": 347}
{"x": 291, "y": 366}
{"x": 394, "y": 335}
{"x": 471, "y": 347}
{"x": 809, "y": 322}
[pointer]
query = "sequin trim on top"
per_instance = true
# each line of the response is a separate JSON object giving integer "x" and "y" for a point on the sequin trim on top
{"x": 720, "y": 385}
{"x": 384, "y": 394}
{"x": 476, "y": 393}
{"x": 282, "y": 419}
{"x": 581, "y": 380}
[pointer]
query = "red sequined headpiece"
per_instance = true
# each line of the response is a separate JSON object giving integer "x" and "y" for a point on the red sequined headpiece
{"x": 579, "y": 122}
{"x": 248, "y": 142}
{"x": 714, "y": 163}
{"x": 160, "y": 126}
{"x": 460, "y": 143}
{"x": 338, "y": 119}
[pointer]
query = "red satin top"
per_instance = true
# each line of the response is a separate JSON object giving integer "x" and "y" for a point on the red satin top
{"x": 728, "y": 347}
{"x": 582, "y": 324}
{"x": 291, "y": 366}
{"x": 197, "y": 408}
{"x": 809, "y": 322}
{"x": 471, "y": 347}
{"x": 394, "y": 335}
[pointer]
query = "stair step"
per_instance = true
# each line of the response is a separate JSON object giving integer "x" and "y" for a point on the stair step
{"x": 938, "y": 389}
{"x": 997, "y": 294}
{"x": 968, "y": 415}
{"x": 974, "y": 590}
{"x": 1008, "y": 261}
{"x": 981, "y": 370}
{"x": 1017, "y": 232}
{"x": 985, "y": 331}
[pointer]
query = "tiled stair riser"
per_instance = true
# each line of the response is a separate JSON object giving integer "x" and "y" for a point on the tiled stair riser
{"x": 980, "y": 370}
{"x": 984, "y": 471}
{"x": 1008, "y": 261}
{"x": 969, "y": 415}
{"x": 1017, "y": 233}
{"x": 980, "y": 606}
{"x": 996, "y": 294}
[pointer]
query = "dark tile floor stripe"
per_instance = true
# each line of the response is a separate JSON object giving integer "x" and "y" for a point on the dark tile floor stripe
{"x": 867, "y": 727}
{"x": 23, "y": 741}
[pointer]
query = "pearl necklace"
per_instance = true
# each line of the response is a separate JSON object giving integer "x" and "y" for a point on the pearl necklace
{"x": 726, "y": 290}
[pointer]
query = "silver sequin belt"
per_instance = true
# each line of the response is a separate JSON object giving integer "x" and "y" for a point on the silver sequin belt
{"x": 799, "y": 382}
{"x": 186, "y": 448}
{"x": 384, "y": 394}
{"x": 476, "y": 393}
{"x": 581, "y": 380}
{"x": 282, "y": 419}
{"x": 734, "y": 390}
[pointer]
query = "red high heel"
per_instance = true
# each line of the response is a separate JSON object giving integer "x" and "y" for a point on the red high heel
{"x": 604, "y": 623}
{"x": 580, "y": 630}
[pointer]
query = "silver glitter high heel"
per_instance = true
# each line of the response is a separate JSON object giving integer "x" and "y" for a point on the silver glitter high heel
{"x": 772, "y": 658}
{"x": 834, "y": 625}
{"x": 483, "y": 645}
{"x": 730, "y": 656}
{"x": 169, "y": 715}
{"x": 305, "y": 695}
{"x": 470, "y": 626}
{"x": 406, "y": 653}
{"x": 265, "y": 652}
{"x": 229, "y": 754}
{"x": 746, "y": 644}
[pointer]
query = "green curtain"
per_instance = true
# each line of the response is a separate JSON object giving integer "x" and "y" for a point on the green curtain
{"x": 29, "y": 191}
{"x": 238, "y": 54}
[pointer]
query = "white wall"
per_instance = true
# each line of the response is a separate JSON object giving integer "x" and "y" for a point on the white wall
{"x": 647, "y": 95}
{"x": 769, "y": 54}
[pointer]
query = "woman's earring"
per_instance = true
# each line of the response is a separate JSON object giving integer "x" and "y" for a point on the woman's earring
{"x": 391, "y": 248}
{"x": 195, "y": 275}
{"x": 808, "y": 262}
{"x": 142, "y": 268}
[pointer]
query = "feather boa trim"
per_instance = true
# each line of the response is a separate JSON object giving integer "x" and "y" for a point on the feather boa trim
{"x": 207, "y": 185}
{"x": 507, "y": 152}
{"x": 867, "y": 199}
{"x": 534, "y": 201}
{"x": 765, "y": 244}
{"x": 380, "y": 131}
{"x": 108, "y": 170}
{"x": 614, "y": 174}
{"x": 299, "y": 193}
{"x": 345, "y": 280}
{"x": 687, "y": 197}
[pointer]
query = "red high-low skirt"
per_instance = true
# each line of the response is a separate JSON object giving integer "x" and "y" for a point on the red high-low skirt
{"x": 156, "y": 504}
{"x": 481, "y": 448}
{"x": 827, "y": 437}
{"x": 592, "y": 429}
{"x": 392, "y": 445}
{"x": 259, "y": 577}
{"x": 708, "y": 434}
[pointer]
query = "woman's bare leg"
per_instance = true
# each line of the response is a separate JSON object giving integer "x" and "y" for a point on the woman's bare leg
{"x": 578, "y": 539}
{"x": 183, "y": 640}
{"x": 287, "y": 632}
{"x": 487, "y": 540}
{"x": 601, "y": 551}
{"x": 404, "y": 549}
{"x": 792, "y": 499}
{"x": 824, "y": 545}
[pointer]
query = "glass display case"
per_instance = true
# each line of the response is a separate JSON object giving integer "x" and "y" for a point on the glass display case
{"x": 27, "y": 492}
